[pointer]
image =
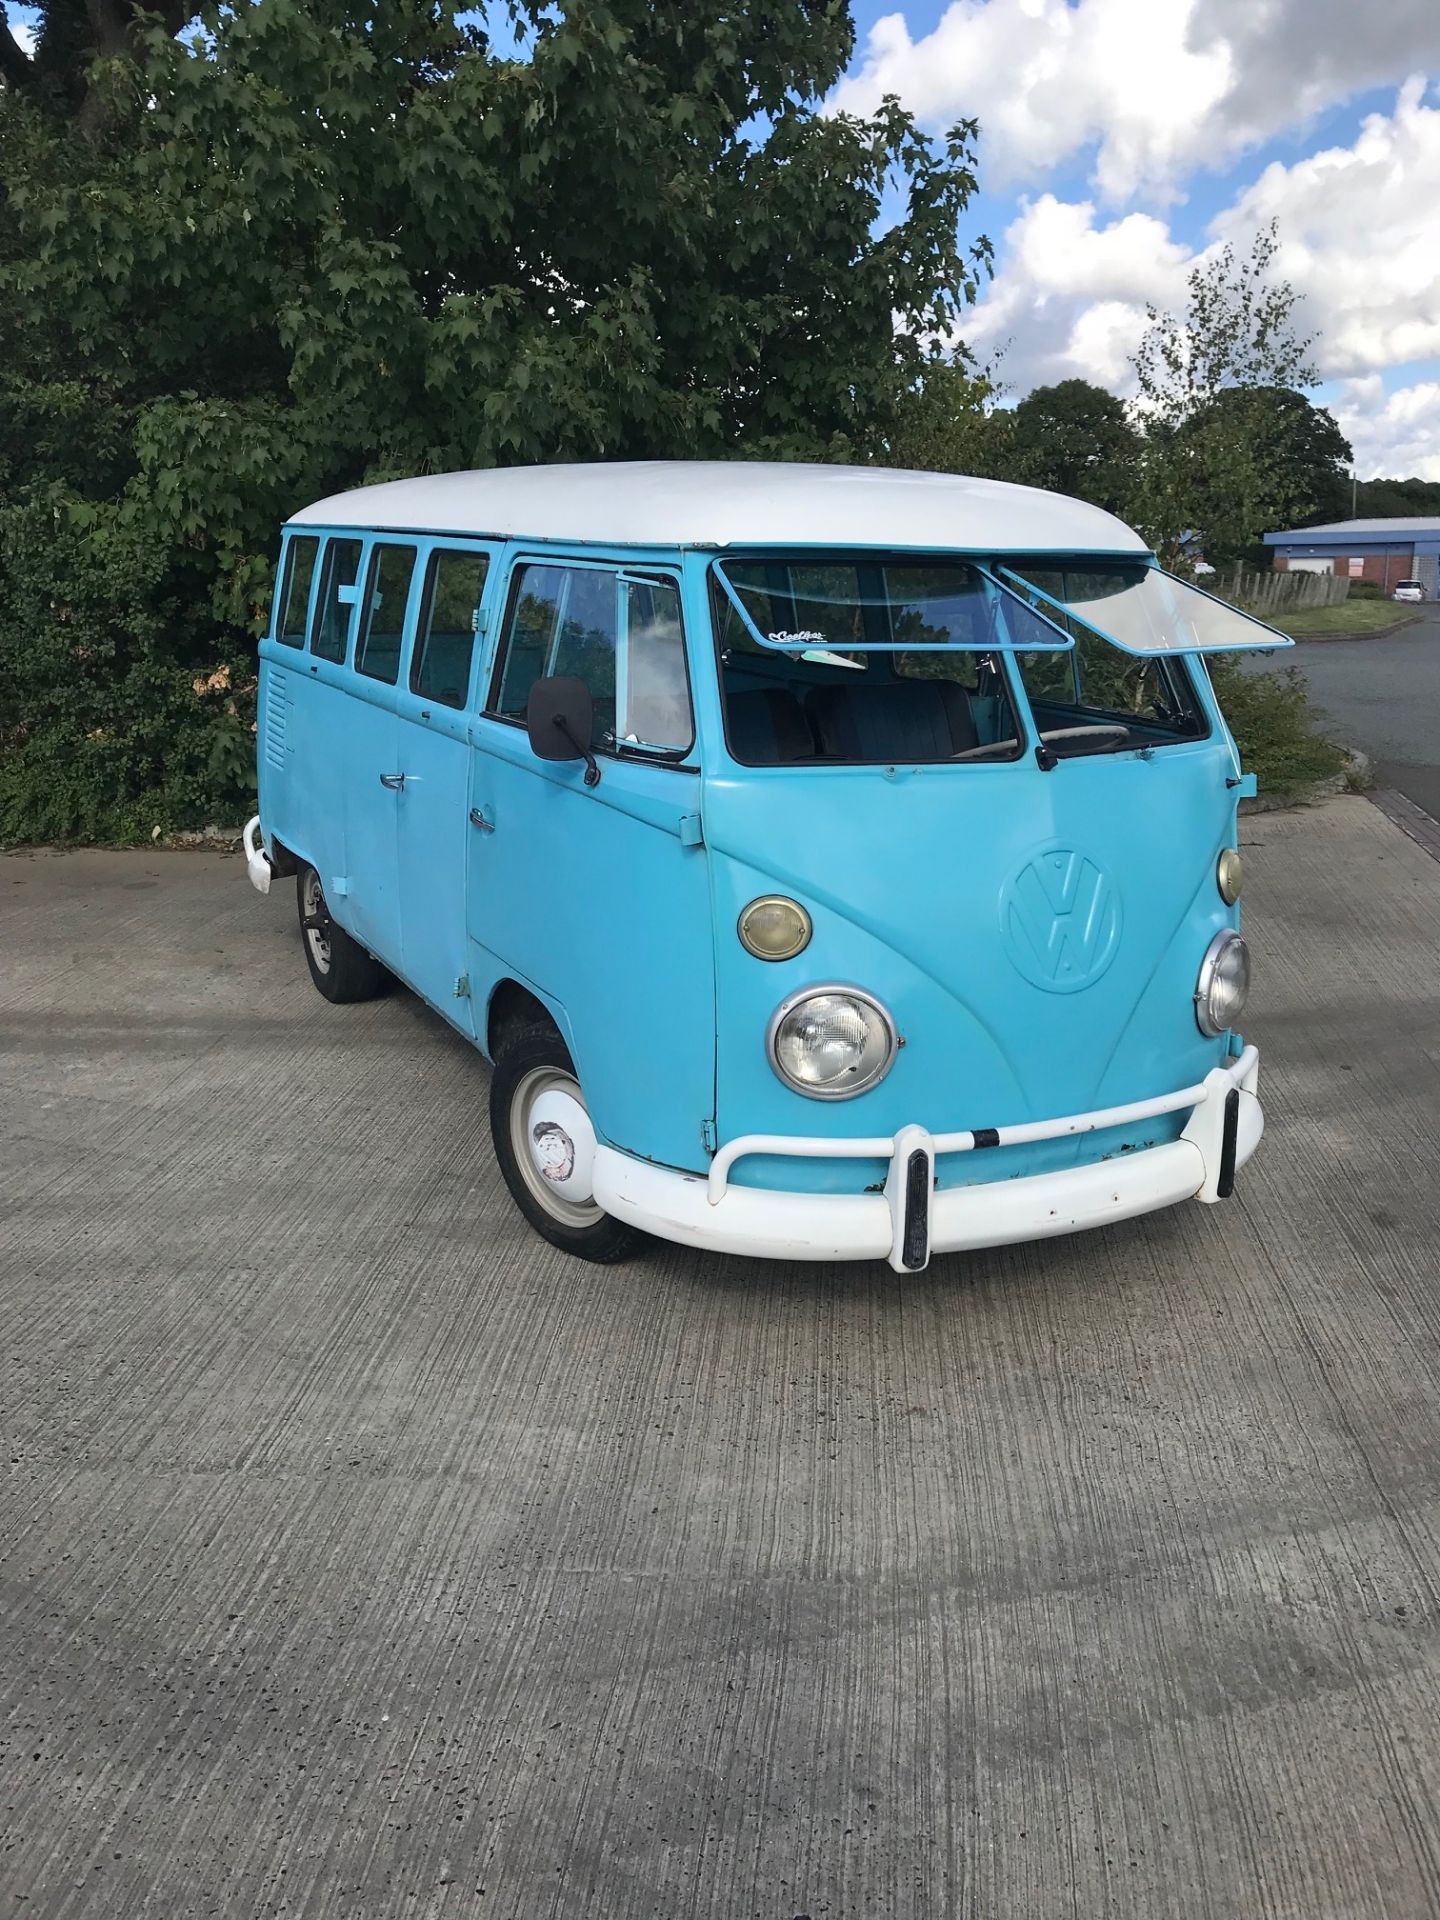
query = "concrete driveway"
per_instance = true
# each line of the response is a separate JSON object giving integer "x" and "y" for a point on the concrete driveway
{"x": 361, "y": 1556}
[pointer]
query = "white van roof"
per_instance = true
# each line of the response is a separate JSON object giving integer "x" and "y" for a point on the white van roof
{"x": 731, "y": 503}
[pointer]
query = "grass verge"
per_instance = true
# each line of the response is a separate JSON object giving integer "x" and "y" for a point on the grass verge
{"x": 1350, "y": 618}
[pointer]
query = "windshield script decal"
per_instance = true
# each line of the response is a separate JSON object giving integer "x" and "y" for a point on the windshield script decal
{"x": 802, "y": 637}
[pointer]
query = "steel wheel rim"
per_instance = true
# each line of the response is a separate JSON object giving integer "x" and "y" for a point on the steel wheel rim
{"x": 566, "y": 1213}
{"x": 317, "y": 921}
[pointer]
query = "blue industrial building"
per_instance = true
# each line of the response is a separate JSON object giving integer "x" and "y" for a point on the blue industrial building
{"x": 1382, "y": 551}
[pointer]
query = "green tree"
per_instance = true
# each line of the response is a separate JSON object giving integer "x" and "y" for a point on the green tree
{"x": 1292, "y": 454}
{"x": 1393, "y": 499}
{"x": 947, "y": 422}
{"x": 1214, "y": 467}
{"x": 323, "y": 243}
{"x": 1075, "y": 438}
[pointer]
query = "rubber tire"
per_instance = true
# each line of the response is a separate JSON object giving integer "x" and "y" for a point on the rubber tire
{"x": 353, "y": 974}
{"x": 538, "y": 1044}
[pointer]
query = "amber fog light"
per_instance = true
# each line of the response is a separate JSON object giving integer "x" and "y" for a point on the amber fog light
{"x": 774, "y": 928}
{"x": 1229, "y": 876}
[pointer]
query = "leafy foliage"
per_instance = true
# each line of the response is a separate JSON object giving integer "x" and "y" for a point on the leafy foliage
{"x": 323, "y": 243}
{"x": 1396, "y": 499}
{"x": 1075, "y": 438}
{"x": 1274, "y": 724}
{"x": 1217, "y": 469}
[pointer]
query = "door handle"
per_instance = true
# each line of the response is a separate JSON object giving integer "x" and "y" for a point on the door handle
{"x": 477, "y": 819}
{"x": 395, "y": 781}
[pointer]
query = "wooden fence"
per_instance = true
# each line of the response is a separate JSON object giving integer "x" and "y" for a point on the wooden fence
{"x": 1271, "y": 593}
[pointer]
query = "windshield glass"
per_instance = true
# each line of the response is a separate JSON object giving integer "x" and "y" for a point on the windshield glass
{"x": 880, "y": 664}
{"x": 1141, "y": 608}
{"x": 867, "y": 602}
{"x": 1144, "y": 698}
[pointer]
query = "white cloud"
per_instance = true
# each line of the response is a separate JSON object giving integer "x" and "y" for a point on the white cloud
{"x": 1397, "y": 435}
{"x": 1158, "y": 88}
{"x": 1359, "y": 239}
{"x": 1069, "y": 297}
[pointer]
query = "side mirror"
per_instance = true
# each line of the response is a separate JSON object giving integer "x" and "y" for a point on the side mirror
{"x": 559, "y": 719}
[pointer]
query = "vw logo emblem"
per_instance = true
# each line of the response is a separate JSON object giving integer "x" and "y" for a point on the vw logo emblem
{"x": 1061, "y": 919}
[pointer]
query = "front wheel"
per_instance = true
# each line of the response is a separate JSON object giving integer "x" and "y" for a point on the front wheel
{"x": 545, "y": 1144}
{"x": 340, "y": 967}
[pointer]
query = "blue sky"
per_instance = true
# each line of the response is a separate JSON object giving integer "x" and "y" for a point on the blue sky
{"x": 1123, "y": 139}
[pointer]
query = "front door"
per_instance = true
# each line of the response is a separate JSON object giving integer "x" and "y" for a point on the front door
{"x": 597, "y": 896}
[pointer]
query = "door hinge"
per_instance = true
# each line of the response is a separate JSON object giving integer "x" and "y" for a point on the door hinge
{"x": 691, "y": 833}
{"x": 707, "y": 1135}
{"x": 462, "y": 986}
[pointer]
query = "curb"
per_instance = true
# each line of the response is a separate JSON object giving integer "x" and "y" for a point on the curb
{"x": 1354, "y": 777}
{"x": 1412, "y": 820}
{"x": 1366, "y": 633}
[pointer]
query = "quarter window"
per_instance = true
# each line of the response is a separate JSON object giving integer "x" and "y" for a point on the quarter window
{"x": 383, "y": 627}
{"x": 454, "y": 586}
{"x": 620, "y": 634}
{"x": 295, "y": 589}
{"x": 332, "y": 625}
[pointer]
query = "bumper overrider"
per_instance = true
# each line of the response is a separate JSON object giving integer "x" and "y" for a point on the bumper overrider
{"x": 910, "y": 1220}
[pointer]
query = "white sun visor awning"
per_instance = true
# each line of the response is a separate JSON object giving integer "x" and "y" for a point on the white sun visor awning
{"x": 1139, "y": 607}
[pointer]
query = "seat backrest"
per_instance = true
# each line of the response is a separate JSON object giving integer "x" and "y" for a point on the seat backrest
{"x": 906, "y": 720}
{"x": 768, "y": 727}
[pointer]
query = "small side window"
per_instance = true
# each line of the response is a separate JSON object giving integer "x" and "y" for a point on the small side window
{"x": 562, "y": 620}
{"x": 622, "y": 637}
{"x": 454, "y": 585}
{"x": 337, "y": 596}
{"x": 382, "y": 628}
{"x": 294, "y": 594}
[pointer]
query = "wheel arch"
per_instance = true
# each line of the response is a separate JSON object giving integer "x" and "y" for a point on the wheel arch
{"x": 513, "y": 1005}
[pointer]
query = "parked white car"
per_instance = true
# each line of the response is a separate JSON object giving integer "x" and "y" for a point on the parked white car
{"x": 1409, "y": 590}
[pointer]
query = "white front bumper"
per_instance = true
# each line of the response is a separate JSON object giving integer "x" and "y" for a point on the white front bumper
{"x": 872, "y": 1226}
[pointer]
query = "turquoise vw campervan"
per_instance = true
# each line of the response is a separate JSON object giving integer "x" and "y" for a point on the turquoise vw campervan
{"x": 833, "y": 863}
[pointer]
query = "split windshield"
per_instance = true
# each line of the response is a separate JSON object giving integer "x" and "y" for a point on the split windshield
{"x": 860, "y": 659}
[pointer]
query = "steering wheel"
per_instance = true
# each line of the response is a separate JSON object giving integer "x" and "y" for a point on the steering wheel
{"x": 1108, "y": 731}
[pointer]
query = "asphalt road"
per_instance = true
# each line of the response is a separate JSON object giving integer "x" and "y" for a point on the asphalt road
{"x": 1384, "y": 697}
{"x": 361, "y": 1556}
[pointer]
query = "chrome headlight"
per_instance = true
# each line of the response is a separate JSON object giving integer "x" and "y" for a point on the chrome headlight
{"x": 1224, "y": 983}
{"x": 1229, "y": 876}
{"x": 831, "y": 1042}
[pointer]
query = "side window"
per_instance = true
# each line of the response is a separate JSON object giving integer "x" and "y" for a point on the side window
{"x": 295, "y": 589}
{"x": 454, "y": 584}
{"x": 332, "y": 616}
{"x": 382, "y": 625}
{"x": 655, "y": 695}
{"x": 623, "y": 638}
{"x": 562, "y": 620}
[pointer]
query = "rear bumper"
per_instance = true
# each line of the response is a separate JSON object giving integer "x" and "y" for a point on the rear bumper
{"x": 257, "y": 861}
{"x": 910, "y": 1219}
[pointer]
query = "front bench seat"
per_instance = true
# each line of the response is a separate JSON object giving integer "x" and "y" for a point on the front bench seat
{"x": 904, "y": 720}
{"x": 768, "y": 727}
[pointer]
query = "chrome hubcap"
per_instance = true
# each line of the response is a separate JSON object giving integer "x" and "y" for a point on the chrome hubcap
{"x": 554, "y": 1145}
{"x": 317, "y": 921}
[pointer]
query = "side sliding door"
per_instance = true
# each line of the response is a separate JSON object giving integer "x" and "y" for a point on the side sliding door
{"x": 434, "y": 703}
